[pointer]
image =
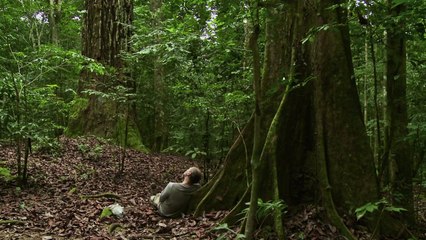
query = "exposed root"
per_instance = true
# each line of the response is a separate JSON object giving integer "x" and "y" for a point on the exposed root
{"x": 101, "y": 195}
{"x": 12, "y": 222}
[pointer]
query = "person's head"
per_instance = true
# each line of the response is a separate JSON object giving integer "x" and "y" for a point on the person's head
{"x": 193, "y": 174}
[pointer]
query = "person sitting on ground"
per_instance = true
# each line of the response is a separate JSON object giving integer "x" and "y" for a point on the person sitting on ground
{"x": 173, "y": 200}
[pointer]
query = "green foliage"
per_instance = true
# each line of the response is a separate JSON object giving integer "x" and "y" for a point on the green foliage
{"x": 35, "y": 74}
{"x": 76, "y": 106}
{"x": 227, "y": 231}
{"x": 195, "y": 153}
{"x": 370, "y": 207}
{"x": 266, "y": 209}
{"x": 375, "y": 20}
{"x": 72, "y": 190}
{"x": 206, "y": 90}
{"x": 106, "y": 212}
{"x": 5, "y": 174}
{"x": 91, "y": 152}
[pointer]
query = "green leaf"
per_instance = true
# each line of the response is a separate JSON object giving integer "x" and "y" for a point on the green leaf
{"x": 106, "y": 212}
{"x": 223, "y": 226}
{"x": 394, "y": 209}
{"x": 240, "y": 236}
{"x": 369, "y": 207}
{"x": 399, "y": 2}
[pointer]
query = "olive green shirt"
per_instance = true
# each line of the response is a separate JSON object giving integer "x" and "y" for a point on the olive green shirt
{"x": 175, "y": 197}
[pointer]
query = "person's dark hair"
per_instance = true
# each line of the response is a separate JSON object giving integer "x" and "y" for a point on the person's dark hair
{"x": 195, "y": 176}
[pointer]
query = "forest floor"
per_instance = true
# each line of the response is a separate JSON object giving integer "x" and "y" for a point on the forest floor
{"x": 60, "y": 200}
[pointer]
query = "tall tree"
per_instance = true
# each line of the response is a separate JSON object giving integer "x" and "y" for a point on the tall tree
{"x": 397, "y": 152}
{"x": 322, "y": 145}
{"x": 106, "y": 37}
{"x": 159, "y": 135}
{"x": 54, "y": 18}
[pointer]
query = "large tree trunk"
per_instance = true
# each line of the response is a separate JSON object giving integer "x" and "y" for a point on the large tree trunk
{"x": 348, "y": 154}
{"x": 325, "y": 66}
{"x": 230, "y": 184}
{"x": 106, "y": 35}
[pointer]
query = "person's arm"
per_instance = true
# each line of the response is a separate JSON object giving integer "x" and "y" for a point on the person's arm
{"x": 166, "y": 192}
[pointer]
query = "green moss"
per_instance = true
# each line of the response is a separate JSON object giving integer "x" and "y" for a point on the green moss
{"x": 113, "y": 227}
{"x": 134, "y": 139}
{"x": 85, "y": 124}
{"x": 75, "y": 127}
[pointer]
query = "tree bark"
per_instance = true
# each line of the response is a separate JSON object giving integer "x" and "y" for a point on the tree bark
{"x": 400, "y": 161}
{"x": 227, "y": 187}
{"x": 159, "y": 87}
{"x": 349, "y": 156}
{"x": 106, "y": 36}
{"x": 324, "y": 72}
{"x": 54, "y": 18}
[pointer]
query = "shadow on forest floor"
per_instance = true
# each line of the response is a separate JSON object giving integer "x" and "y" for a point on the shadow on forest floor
{"x": 52, "y": 207}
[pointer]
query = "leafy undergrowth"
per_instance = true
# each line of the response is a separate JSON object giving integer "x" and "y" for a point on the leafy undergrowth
{"x": 62, "y": 200}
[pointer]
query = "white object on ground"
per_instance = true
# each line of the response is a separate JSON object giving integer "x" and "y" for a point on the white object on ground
{"x": 116, "y": 209}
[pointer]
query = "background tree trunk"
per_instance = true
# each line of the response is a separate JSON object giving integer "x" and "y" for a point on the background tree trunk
{"x": 159, "y": 86}
{"x": 54, "y": 18}
{"x": 400, "y": 161}
{"x": 106, "y": 35}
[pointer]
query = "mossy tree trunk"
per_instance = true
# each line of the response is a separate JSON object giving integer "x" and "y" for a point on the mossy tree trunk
{"x": 348, "y": 154}
{"x": 345, "y": 161}
{"x": 106, "y": 36}
{"x": 255, "y": 161}
{"x": 227, "y": 187}
{"x": 325, "y": 97}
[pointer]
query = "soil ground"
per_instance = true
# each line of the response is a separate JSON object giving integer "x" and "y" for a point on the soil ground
{"x": 62, "y": 199}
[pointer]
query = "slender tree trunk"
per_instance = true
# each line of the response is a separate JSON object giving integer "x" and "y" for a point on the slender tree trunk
{"x": 18, "y": 139}
{"x": 54, "y": 19}
{"x": 378, "y": 137}
{"x": 18, "y": 142}
{"x": 257, "y": 137}
{"x": 206, "y": 147}
{"x": 365, "y": 87}
{"x": 159, "y": 85}
{"x": 26, "y": 156}
{"x": 397, "y": 114}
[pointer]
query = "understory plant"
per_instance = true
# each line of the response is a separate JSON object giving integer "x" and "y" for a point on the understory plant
{"x": 382, "y": 206}
{"x": 31, "y": 113}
